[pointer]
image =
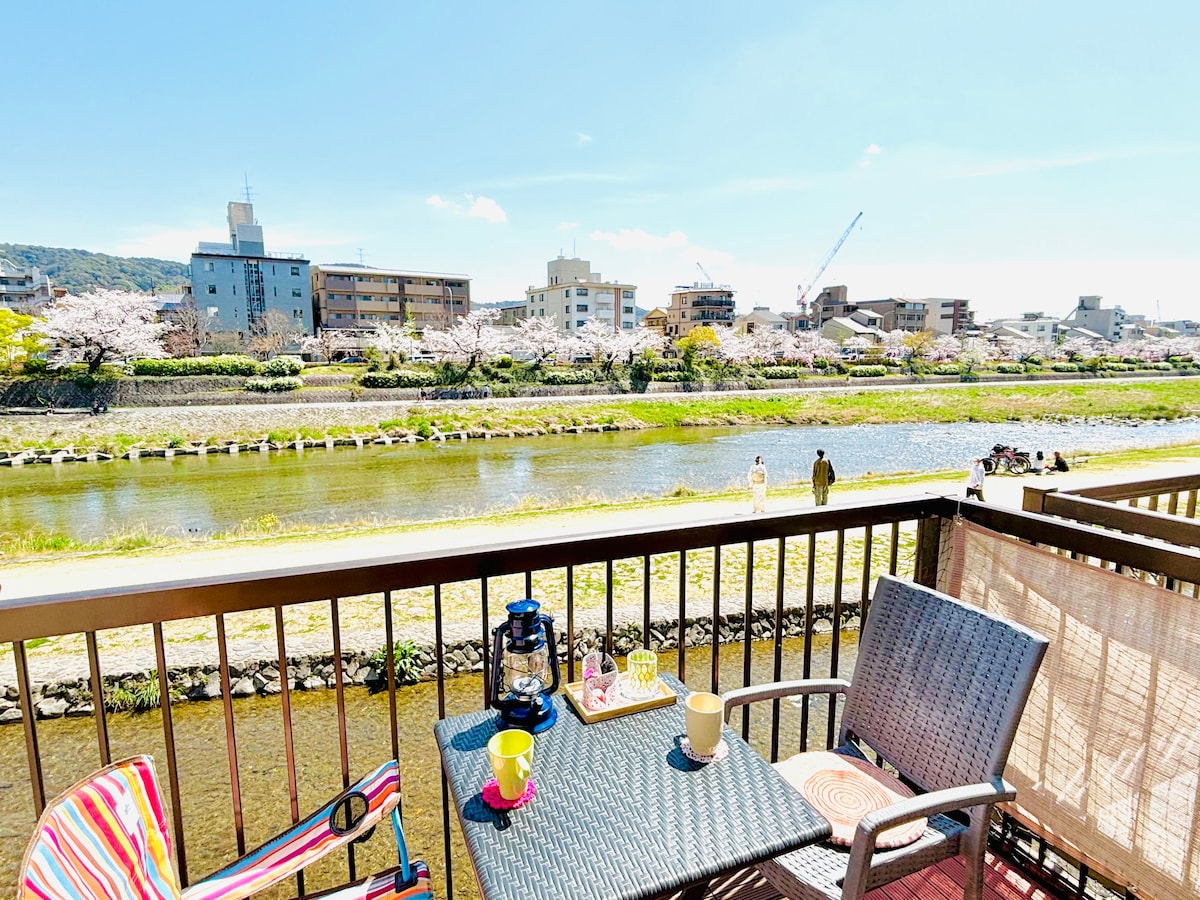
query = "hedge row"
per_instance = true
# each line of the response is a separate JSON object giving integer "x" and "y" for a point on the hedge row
{"x": 400, "y": 378}
{"x": 867, "y": 371}
{"x": 274, "y": 385}
{"x": 198, "y": 365}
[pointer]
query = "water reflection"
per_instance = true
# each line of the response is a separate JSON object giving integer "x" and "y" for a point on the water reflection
{"x": 204, "y": 494}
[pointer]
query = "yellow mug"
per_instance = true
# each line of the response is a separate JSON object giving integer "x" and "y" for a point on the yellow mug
{"x": 511, "y": 755}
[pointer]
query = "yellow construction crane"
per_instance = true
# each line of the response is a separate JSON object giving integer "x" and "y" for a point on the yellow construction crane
{"x": 825, "y": 262}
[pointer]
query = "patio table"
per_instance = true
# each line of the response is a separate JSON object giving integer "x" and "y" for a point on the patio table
{"x": 620, "y": 812}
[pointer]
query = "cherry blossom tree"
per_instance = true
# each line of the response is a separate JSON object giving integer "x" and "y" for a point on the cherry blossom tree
{"x": 1080, "y": 348}
{"x": 394, "y": 341}
{"x": 770, "y": 344}
{"x": 472, "y": 340}
{"x": 944, "y": 348}
{"x": 273, "y": 331}
{"x": 734, "y": 347}
{"x": 1020, "y": 349}
{"x": 597, "y": 340}
{"x": 636, "y": 341}
{"x": 101, "y": 326}
{"x": 327, "y": 344}
{"x": 808, "y": 346}
{"x": 896, "y": 343}
{"x": 540, "y": 337}
{"x": 975, "y": 352}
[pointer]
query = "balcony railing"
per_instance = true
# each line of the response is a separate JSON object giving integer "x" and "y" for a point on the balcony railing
{"x": 782, "y": 592}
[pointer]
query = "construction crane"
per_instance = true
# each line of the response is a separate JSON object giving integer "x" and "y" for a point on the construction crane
{"x": 825, "y": 262}
{"x": 707, "y": 277}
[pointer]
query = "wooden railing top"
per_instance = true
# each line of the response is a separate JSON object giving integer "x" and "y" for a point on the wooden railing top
{"x": 1129, "y": 490}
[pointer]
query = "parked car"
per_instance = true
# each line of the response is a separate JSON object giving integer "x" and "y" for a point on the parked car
{"x": 353, "y": 360}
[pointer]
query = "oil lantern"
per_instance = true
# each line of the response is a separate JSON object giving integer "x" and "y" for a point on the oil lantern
{"x": 525, "y": 668}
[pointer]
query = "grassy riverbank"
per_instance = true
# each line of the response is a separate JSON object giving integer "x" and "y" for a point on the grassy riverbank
{"x": 116, "y": 432}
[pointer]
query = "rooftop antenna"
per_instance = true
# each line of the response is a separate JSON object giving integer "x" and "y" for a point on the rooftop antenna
{"x": 360, "y": 256}
{"x": 573, "y": 253}
{"x": 246, "y": 183}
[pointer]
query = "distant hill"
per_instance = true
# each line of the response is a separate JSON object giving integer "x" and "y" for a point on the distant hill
{"x": 79, "y": 270}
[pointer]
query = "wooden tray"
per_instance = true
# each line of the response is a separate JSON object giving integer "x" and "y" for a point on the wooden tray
{"x": 574, "y": 692}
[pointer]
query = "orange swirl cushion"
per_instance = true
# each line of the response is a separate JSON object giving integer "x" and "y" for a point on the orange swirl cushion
{"x": 844, "y": 789}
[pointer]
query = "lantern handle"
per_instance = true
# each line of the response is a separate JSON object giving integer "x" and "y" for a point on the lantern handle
{"x": 497, "y": 662}
{"x": 548, "y": 624}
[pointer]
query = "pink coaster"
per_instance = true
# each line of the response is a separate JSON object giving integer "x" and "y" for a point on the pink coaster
{"x": 492, "y": 797}
{"x": 722, "y": 751}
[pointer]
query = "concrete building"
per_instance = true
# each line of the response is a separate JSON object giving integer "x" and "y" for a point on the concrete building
{"x": 701, "y": 304}
{"x": 862, "y": 323}
{"x": 1034, "y": 325}
{"x": 242, "y": 281}
{"x": 355, "y": 296}
{"x": 899, "y": 314}
{"x": 1089, "y": 314}
{"x": 760, "y": 319}
{"x": 23, "y": 289}
{"x": 949, "y": 316}
{"x": 1184, "y": 327}
{"x": 573, "y": 293}
{"x": 656, "y": 320}
{"x": 830, "y": 304}
{"x": 800, "y": 321}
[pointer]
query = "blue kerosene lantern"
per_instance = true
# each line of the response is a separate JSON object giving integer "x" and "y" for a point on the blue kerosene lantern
{"x": 525, "y": 668}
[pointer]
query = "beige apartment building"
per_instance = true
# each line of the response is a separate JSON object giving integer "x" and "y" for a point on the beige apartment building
{"x": 351, "y": 296}
{"x": 573, "y": 293}
{"x": 899, "y": 314}
{"x": 701, "y": 304}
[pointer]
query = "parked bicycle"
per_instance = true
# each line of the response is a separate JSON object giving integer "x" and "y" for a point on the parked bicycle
{"x": 1010, "y": 459}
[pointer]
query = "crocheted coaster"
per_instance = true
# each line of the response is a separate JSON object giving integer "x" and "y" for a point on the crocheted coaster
{"x": 493, "y": 798}
{"x": 719, "y": 754}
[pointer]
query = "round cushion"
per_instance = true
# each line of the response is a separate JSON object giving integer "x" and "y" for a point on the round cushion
{"x": 844, "y": 789}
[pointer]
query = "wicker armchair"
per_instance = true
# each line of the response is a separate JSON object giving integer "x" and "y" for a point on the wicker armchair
{"x": 937, "y": 693}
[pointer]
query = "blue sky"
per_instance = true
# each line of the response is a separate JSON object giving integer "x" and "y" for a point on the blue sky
{"x": 1017, "y": 154}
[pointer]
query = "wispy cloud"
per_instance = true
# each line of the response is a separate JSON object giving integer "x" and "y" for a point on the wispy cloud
{"x": 869, "y": 154}
{"x": 568, "y": 226}
{"x": 472, "y": 207}
{"x": 582, "y": 140}
{"x": 636, "y": 239}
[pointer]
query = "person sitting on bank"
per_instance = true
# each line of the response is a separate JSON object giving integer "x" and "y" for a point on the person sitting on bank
{"x": 1058, "y": 464}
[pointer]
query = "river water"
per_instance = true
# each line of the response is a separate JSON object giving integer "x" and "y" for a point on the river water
{"x": 200, "y": 495}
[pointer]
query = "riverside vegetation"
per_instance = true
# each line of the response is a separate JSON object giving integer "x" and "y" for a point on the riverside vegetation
{"x": 1166, "y": 399}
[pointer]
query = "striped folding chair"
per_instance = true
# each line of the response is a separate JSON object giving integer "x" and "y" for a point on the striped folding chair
{"x": 106, "y": 838}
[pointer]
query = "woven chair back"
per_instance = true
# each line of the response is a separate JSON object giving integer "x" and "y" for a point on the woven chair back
{"x": 939, "y": 686}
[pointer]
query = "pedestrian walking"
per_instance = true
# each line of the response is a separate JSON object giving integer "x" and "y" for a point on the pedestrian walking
{"x": 822, "y": 478}
{"x": 758, "y": 484}
{"x": 975, "y": 478}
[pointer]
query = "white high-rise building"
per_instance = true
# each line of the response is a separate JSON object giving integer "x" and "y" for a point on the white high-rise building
{"x": 573, "y": 293}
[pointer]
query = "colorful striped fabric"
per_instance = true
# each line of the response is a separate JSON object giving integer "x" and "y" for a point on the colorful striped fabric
{"x": 107, "y": 839}
{"x": 304, "y": 843}
{"x": 104, "y": 839}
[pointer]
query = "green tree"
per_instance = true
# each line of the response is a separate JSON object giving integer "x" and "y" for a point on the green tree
{"x": 14, "y": 339}
{"x": 702, "y": 341}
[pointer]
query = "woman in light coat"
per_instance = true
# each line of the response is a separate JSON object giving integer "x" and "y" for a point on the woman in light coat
{"x": 758, "y": 484}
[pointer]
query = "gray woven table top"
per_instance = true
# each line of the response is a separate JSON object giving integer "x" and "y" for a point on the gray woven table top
{"x": 620, "y": 812}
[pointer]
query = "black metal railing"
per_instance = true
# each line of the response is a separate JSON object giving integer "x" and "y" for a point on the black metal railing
{"x": 710, "y": 594}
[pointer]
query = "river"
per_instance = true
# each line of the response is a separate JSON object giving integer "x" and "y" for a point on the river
{"x": 202, "y": 495}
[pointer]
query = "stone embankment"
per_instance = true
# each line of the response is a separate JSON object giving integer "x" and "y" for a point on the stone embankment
{"x": 56, "y": 699}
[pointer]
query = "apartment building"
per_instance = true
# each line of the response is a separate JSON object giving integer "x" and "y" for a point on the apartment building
{"x": 703, "y": 303}
{"x": 899, "y": 314}
{"x": 1089, "y": 314}
{"x": 573, "y": 293}
{"x": 354, "y": 296}
{"x": 23, "y": 289}
{"x": 1034, "y": 325}
{"x": 831, "y": 303}
{"x": 240, "y": 281}
{"x": 949, "y": 315}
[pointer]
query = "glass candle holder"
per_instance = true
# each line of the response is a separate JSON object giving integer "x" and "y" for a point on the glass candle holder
{"x": 641, "y": 674}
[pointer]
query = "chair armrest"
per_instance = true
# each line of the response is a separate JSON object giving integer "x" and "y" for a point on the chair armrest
{"x": 778, "y": 689}
{"x": 909, "y": 810}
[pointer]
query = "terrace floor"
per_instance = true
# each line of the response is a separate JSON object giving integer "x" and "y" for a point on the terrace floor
{"x": 942, "y": 882}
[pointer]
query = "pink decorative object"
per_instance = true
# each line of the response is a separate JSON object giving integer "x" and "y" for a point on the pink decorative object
{"x": 493, "y": 798}
{"x": 599, "y": 681}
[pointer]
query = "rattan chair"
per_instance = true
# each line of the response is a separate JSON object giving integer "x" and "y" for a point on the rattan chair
{"x": 937, "y": 693}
